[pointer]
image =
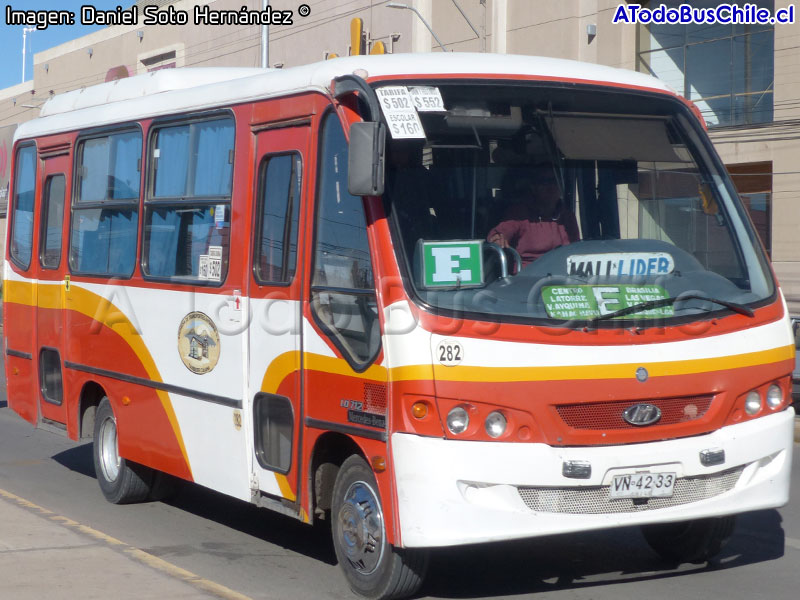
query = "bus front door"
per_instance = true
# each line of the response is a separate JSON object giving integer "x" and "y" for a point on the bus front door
{"x": 276, "y": 306}
{"x": 51, "y": 292}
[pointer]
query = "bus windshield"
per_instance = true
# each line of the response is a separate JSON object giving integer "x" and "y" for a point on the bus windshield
{"x": 548, "y": 203}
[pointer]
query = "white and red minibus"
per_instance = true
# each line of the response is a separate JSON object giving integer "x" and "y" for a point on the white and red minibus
{"x": 287, "y": 286}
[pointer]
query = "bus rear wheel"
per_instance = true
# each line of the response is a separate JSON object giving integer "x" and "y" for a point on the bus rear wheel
{"x": 372, "y": 566}
{"x": 690, "y": 541}
{"x": 121, "y": 481}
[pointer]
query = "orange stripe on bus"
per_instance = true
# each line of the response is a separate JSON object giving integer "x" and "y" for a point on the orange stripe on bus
{"x": 613, "y": 371}
{"x": 105, "y": 312}
{"x": 287, "y": 363}
{"x": 286, "y": 487}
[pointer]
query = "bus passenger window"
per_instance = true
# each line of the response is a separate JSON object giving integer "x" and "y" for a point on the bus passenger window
{"x": 54, "y": 220}
{"x": 343, "y": 291}
{"x": 105, "y": 212}
{"x": 188, "y": 211}
{"x": 22, "y": 218}
{"x": 278, "y": 210}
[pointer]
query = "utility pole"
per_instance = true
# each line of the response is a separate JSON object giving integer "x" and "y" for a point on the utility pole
{"x": 265, "y": 39}
{"x": 25, "y": 32}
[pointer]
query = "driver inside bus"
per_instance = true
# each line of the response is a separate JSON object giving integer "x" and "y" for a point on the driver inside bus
{"x": 537, "y": 221}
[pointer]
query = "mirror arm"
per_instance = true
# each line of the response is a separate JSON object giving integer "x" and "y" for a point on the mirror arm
{"x": 347, "y": 84}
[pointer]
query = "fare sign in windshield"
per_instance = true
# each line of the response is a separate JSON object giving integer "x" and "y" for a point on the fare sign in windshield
{"x": 570, "y": 302}
{"x": 400, "y": 112}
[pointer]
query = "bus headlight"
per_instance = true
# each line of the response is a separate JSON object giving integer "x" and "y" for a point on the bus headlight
{"x": 752, "y": 404}
{"x": 457, "y": 420}
{"x": 774, "y": 396}
{"x": 495, "y": 424}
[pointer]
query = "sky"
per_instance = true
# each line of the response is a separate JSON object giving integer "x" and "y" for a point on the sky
{"x": 41, "y": 39}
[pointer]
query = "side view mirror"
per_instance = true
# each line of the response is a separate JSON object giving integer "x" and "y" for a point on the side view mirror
{"x": 366, "y": 162}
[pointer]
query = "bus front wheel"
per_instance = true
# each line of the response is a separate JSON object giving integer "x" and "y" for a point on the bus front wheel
{"x": 689, "y": 541}
{"x": 121, "y": 481}
{"x": 373, "y": 567}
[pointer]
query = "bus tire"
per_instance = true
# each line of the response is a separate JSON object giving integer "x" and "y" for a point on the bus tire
{"x": 121, "y": 481}
{"x": 373, "y": 567}
{"x": 690, "y": 541}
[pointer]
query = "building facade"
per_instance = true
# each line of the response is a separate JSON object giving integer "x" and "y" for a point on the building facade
{"x": 745, "y": 79}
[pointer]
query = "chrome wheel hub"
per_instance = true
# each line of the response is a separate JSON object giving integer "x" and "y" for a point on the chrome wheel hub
{"x": 359, "y": 528}
{"x": 109, "y": 453}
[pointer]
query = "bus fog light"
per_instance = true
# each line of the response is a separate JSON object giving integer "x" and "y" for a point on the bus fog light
{"x": 495, "y": 424}
{"x": 576, "y": 469}
{"x": 752, "y": 403}
{"x": 712, "y": 457}
{"x": 457, "y": 420}
{"x": 774, "y": 397}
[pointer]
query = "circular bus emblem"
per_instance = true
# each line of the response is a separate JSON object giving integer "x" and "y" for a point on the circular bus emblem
{"x": 198, "y": 343}
{"x": 642, "y": 414}
{"x": 642, "y": 374}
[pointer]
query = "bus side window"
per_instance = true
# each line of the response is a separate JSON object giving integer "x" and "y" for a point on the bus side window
{"x": 22, "y": 217}
{"x": 53, "y": 212}
{"x": 105, "y": 211}
{"x": 342, "y": 289}
{"x": 188, "y": 208}
{"x": 278, "y": 210}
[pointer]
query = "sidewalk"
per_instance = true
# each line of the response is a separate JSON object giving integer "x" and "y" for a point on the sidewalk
{"x": 44, "y": 555}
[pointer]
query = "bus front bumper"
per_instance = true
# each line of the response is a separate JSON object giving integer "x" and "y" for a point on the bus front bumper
{"x": 452, "y": 492}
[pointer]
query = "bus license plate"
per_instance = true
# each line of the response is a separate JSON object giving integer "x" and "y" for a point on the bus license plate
{"x": 642, "y": 485}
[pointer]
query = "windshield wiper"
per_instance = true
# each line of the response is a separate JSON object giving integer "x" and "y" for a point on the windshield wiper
{"x": 739, "y": 308}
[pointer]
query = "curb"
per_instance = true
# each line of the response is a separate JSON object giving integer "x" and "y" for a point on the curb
{"x": 132, "y": 553}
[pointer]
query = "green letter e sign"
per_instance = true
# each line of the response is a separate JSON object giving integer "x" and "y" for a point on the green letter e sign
{"x": 452, "y": 264}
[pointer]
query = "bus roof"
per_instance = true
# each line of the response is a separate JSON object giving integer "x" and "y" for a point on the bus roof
{"x": 171, "y": 91}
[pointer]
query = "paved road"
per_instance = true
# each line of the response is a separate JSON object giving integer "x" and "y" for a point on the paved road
{"x": 263, "y": 555}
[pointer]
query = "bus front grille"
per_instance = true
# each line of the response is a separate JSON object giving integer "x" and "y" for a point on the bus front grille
{"x": 595, "y": 500}
{"x": 605, "y": 416}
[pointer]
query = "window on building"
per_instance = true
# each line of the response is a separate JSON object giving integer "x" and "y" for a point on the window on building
{"x": 22, "y": 218}
{"x": 343, "y": 290}
{"x": 188, "y": 210}
{"x": 278, "y": 210}
{"x": 753, "y": 181}
{"x": 105, "y": 211}
{"x": 165, "y": 60}
{"x": 727, "y": 70}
